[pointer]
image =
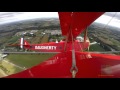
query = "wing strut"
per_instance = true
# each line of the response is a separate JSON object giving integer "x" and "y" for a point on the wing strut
{"x": 66, "y": 41}
{"x": 69, "y": 32}
{"x": 86, "y": 37}
{"x": 74, "y": 68}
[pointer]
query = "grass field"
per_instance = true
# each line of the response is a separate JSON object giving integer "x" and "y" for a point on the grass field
{"x": 9, "y": 68}
{"x": 45, "y": 39}
{"x": 15, "y": 63}
{"x": 2, "y": 73}
{"x": 96, "y": 47}
{"x": 28, "y": 60}
{"x": 13, "y": 39}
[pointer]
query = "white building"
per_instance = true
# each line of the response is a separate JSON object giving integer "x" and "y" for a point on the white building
{"x": 80, "y": 38}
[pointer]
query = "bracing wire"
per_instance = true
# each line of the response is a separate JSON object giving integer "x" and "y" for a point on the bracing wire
{"x": 110, "y": 20}
{"x": 106, "y": 27}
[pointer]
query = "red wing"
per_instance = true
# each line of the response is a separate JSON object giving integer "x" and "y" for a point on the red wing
{"x": 93, "y": 65}
{"x": 89, "y": 66}
{"x": 76, "y": 21}
{"x": 65, "y": 21}
{"x": 56, "y": 67}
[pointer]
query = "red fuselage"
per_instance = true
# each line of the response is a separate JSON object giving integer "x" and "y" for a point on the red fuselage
{"x": 57, "y": 47}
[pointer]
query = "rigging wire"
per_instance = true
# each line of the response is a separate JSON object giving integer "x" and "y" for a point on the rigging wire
{"x": 74, "y": 68}
{"x": 106, "y": 27}
{"x": 110, "y": 20}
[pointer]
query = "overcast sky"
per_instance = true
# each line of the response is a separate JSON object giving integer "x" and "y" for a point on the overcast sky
{"x": 110, "y": 18}
{"x": 7, "y": 17}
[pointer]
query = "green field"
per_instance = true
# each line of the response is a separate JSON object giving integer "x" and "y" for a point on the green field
{"x": 9, "y": 68}
{"x": 45, "y": 39}
{"x": 21, "y": 60}
{"x": 96, "y": 47}
{"x": 1, "y": 73}
{"x": 27, "y": 60}
{"x": 14, "y": 39}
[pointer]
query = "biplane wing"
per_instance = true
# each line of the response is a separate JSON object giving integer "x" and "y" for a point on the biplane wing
{"x": 76, "y": 22}
{"x": 90, "y": 65}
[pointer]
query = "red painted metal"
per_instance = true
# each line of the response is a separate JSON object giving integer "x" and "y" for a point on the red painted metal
{"x": 59, "y": 47}
{"x": 90, "y": 65}
{"x": 65, "y": 21}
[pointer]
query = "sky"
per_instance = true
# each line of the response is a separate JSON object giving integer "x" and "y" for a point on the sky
{"x": 110, "y": 18}
{"x": 7, "y": 17}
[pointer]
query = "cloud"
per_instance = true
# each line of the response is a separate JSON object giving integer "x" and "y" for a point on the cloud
{"x": 7, "y": 17}
{"x": 110, "y": 19}
{"x": 111, "y": 14}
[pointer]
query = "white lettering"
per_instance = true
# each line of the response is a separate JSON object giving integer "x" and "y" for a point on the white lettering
{"x": 49, "y": 47}
{"x": 54, "y": 47}
{"x": 46, "y": 47}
